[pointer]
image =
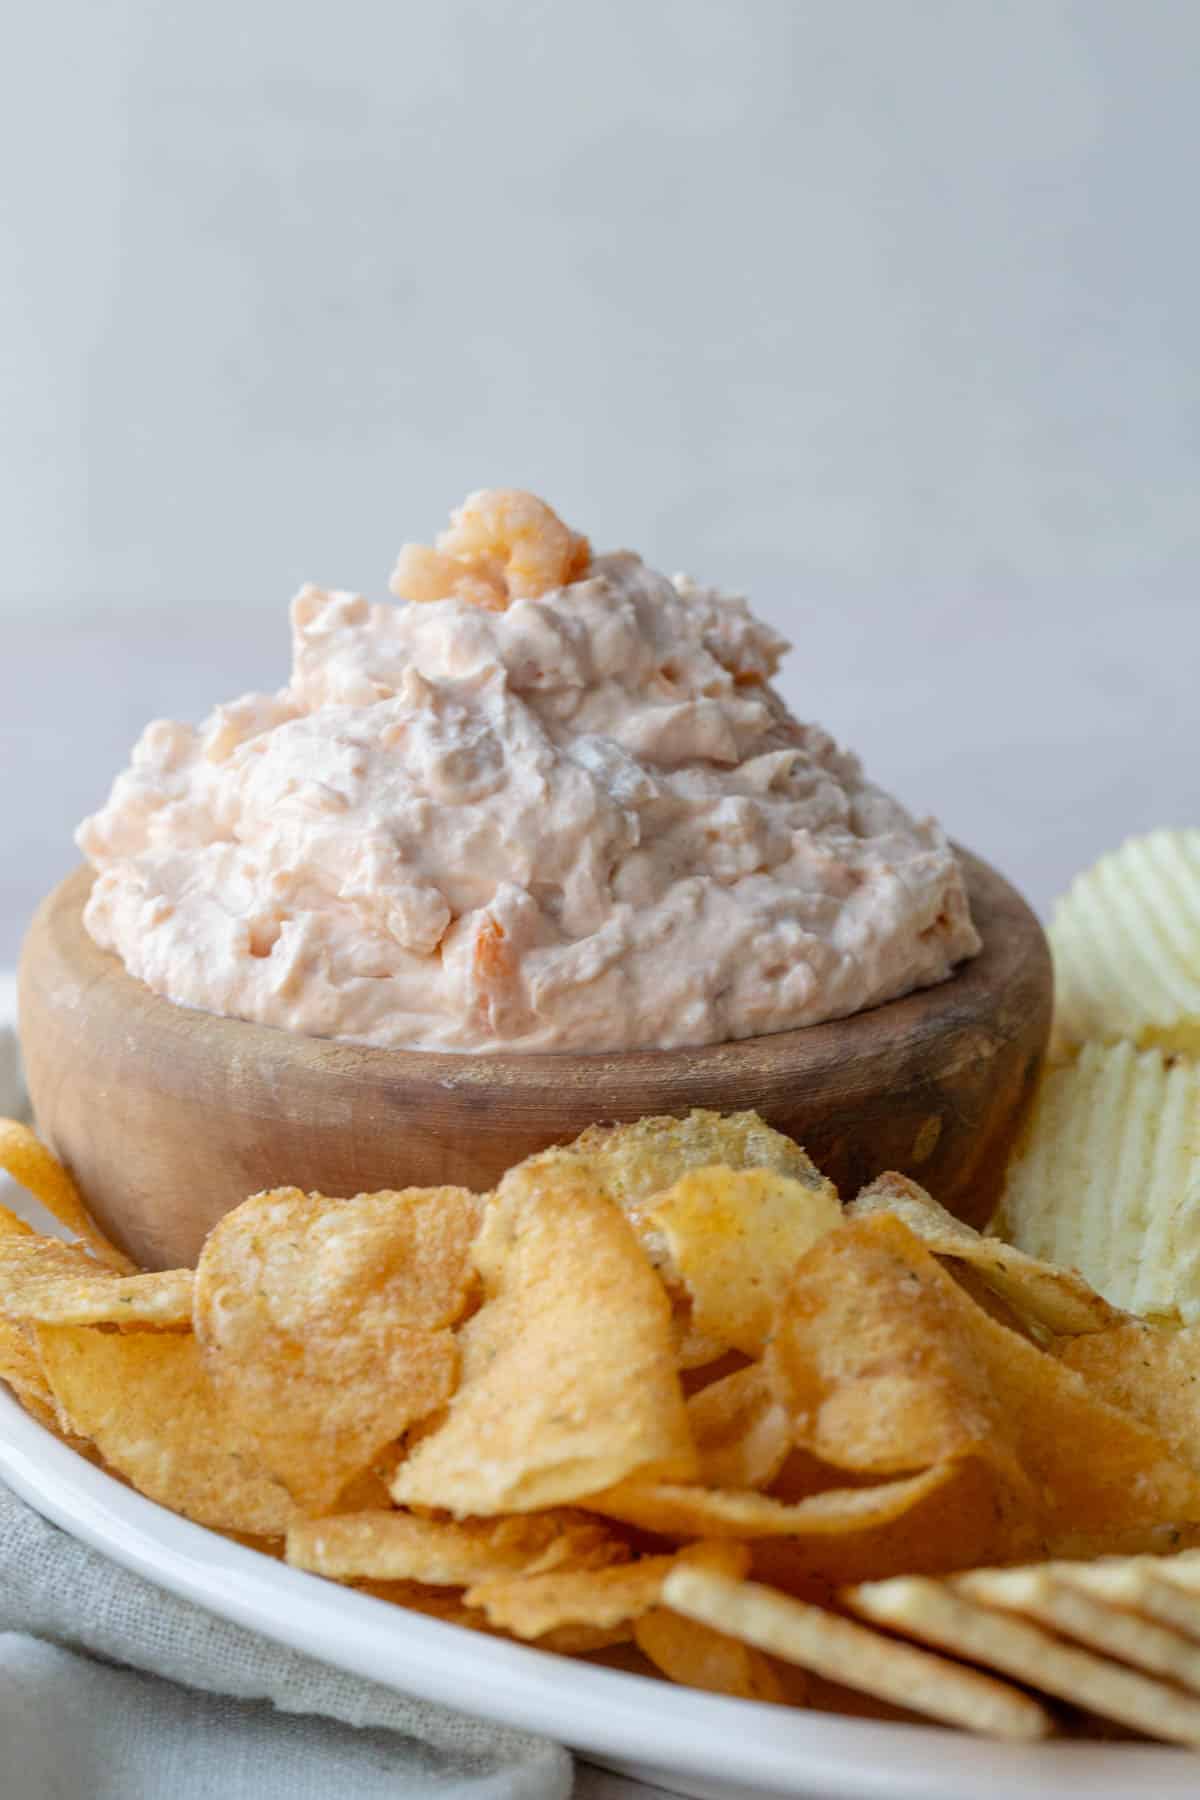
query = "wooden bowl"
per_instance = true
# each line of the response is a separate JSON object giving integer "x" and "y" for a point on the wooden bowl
{"x": 168, "y": 1116}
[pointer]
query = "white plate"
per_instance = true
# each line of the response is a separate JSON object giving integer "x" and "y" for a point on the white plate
{"x": 695, "y": 1744}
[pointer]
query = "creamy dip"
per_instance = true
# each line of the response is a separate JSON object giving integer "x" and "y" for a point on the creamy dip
{"x": 583, "y": 822}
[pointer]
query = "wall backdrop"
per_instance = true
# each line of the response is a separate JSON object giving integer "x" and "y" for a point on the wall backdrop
{"x": 887, "y": 314}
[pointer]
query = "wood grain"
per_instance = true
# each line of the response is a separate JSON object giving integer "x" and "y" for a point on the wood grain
{"x": 168, "y": 1116}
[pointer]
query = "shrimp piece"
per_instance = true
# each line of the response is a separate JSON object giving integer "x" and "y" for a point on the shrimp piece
{"x": 502, "y": 545}
{"x": 495, "y": 978}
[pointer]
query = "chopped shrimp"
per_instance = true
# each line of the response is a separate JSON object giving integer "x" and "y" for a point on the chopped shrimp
{"x": 502, "y": 545}
{"x": 495, "y": 975}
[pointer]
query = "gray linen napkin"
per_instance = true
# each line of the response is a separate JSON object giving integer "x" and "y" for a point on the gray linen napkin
{"x": 198, "y": 1708}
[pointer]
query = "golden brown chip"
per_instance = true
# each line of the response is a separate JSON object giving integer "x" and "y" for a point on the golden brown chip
{"x": 697, "y": 1656}
{"x": 941, "y": 1615}
{"x": 842, "y": 1651}
{"x": 60, "y": 1284}
{"x": 1059, "y": 1299}
{"x": 325, "y": 1323}
{"x": 20, "y": 1366}
{"x": 1151, "y": 1371}
{"x": 732, "y": 1238}
{"x": 398, "y": 1546}
{"x": 629, "y": 1164}
{"x": 885, "y": 1365}
{"x": 32, "y": 1166}
{"x": 145, "y": 1401}
{"x": 741, "y": 1431}
{"x": 568, "y": 1376}
{"x": 530, "y": 1607}
{"x": 677, "y": 1511}
{"x": 12, "y": 1226}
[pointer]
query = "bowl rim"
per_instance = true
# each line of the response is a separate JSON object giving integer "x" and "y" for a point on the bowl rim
{"x": 1013, "y": 950}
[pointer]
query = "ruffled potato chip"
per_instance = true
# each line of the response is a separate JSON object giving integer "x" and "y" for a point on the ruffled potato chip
{"x": 842, "y": 1651}
{"x": 1126, "y": 945}
{"x": 568, "y": 1372}
{"x": 145, "y": 1401}
{"x": 1106, "y": 1177}
{"x": 1058, "y": 1299}
{"x": 695, "y": 1655}
{"x": 399, "y": 1546}
{"x": 885, "y": 1365}
{"x": 532, "y": 1606}
{"x": 32, "y": 1166}
{"x": 731, "y": 1238}
{"x": 741, "y": 1431}
{"x": 54, "y": 1283}
{"x": 326, "y": 1323}
{"x": 952, "y": 1619}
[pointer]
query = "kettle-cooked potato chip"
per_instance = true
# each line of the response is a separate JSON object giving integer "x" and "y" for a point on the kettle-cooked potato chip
{"x": 678, "y": 1511}
{"x": 885, "y": 1365}
{"x": 740, "y": 1429}
{"x": 632, "y": 1163}
{"x": 732, "y": 1238}
{"x": 533, "y": 1605}
{"x": 144, "y": 1399}
{"x": 1126, "y": 945}
{"x": 326, "y": 1323}
{"x": 1150, "y": 1371}
{"x": 60, "y": 1284}
{"x": 568, "y": 1375}
{"x": 399, "y": 1546}
{"x": 1106, "y": 1177}
{"x": 32, "y": 1166}
{"x": 1060, "y": 1299}
{"x": 697, "y": 1656}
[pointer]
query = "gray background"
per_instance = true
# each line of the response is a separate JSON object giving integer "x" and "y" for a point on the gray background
{"x": 885, "y": 311}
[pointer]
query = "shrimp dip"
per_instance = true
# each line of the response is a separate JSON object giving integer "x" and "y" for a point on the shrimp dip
{"x": 550, "y": 802}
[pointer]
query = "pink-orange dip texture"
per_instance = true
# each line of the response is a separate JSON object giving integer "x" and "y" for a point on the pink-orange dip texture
{"x": 557, "y": 806}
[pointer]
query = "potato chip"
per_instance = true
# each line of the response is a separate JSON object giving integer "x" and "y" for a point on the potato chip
{"x": 843, "y": 1651}
{"x": 1106, "y": 1178}
{"x": 1126, "y": 945}
{"x": 398, "y": 1546}
{"x": 631, "y": 1163}
{"x": 145, "y": 1401}
{"x": 741, "y": 1431}
{"x": 568, "y": 1375}
{"x": 32, "y": 1166}
{"x": 944, "y": 1616}
{"x": 1040, "y": 1595}
{"x": 696, "y": 1656}
{"x": 1059, "y": 1299}
{"x": 886, "y": 1366}
{"x": 677, "y": 1511}
{"x": 325, "y": 1323}
{"x": 531, "y": 1606}
{"x": 732, "y": 1238}
{"x": 954, "y": 1519}
{"x": 60, "y": 1284}
{"x": 1151, "y": 1371}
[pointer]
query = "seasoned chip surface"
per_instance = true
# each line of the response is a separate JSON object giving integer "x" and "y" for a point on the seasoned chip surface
{"x": 326, "y": 1323}
{"x": 568, "y": 1380}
